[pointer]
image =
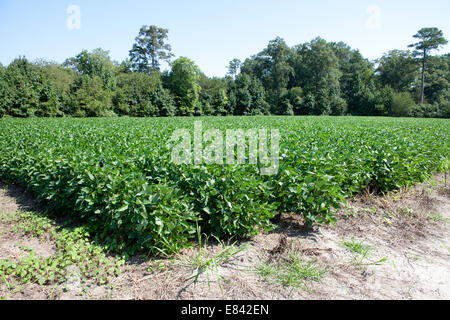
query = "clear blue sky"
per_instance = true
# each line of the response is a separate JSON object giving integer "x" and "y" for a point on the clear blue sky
{"x": 213, "y": 32}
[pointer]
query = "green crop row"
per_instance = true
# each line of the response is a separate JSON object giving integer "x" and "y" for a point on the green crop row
{"x": 117, "y": 177}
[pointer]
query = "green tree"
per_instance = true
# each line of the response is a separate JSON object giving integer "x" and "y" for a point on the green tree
{"x": 89, "y": 98}
{"x": 61, "y": 79}
{"x": 295, "y": 97}
{"x": 430, "y": 39}
{"x": 272, "y": 67}
{"x": 284, "y": 105}
{"x": 398, "y": 70}
{"x": 213, "y": 95}
{"x": 3, "y": 91}
{"x": 243, "y": 97}
{"x": 234, "y": 67}
{"x": 184, "y": 84}
{"x": 357, "y": 82}
{"x": 402, "y": 104}
{"x": 249, "y": 96}
{"x": 149, "y": 49}
{"x": 259, "y": 105}
{"x": 220, "y": 103}
{"x": 163, "y": 101}
{"x": 383, "y": 101}
{"x": 317, "y": 73}
{"x": 437, "y": 87}
{"x": 278, "y": 53}
{"x": 25, "y": 91}
{"x": 133, "y": 94}
{"x": 95, "y": 63}
{"x": 23, "y": 86}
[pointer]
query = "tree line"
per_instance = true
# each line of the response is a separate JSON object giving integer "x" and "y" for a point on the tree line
{"x": 314, "y": 78}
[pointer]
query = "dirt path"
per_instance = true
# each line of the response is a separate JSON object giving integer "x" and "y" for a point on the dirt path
{"x": 391, "y": 247}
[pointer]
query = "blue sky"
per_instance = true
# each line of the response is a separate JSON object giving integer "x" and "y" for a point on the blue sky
{"x": 213, "y": 32}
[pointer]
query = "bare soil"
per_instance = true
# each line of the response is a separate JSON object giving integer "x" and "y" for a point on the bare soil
{"x": 408, "y": 230}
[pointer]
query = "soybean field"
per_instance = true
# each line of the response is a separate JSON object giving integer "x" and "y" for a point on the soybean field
{"x": 116, "y": 175}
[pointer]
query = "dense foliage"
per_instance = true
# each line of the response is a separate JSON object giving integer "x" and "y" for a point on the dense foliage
{"x": 116, "y": 174}
{"x": 314, "y": 78}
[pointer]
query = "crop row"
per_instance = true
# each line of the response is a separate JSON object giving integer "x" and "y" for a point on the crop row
{"x": 117, "y": 177}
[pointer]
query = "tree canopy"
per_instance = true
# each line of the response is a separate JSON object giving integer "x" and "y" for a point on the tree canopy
{"x": 149, "y": 49}
{"x": 313, "y": 78}
{"x": 429, "y": 39}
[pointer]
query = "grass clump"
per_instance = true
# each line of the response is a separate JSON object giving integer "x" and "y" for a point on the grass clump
{"x": 355, "y": 246}
{"x": 293, "y": 270}
{"x": 208, "y": 263}
{"x": 361, "y": 252}
{"x": 439, "y": 217}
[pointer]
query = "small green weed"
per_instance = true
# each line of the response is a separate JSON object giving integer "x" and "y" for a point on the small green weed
{"x": 356, "y": 246}
{"x": 72, "y": 248}
{"x": 361, "y": 252}
{"x": 291, "y": 271}
{"x": 439, "y": 217}
{"x": 204, "y": 262}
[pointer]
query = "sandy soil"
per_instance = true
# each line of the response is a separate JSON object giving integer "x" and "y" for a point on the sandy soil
{"x": 409, "y": 229}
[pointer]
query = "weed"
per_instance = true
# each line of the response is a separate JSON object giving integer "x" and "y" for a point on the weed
{"x": 355, "y": 246}
{"x": 72, "y": 248}
{"x": 439, "y": 217}
{"x": 203, "y": 262}
{"x": 351, "y": 212}
{"x": 406, "y": 211}
{"x": 361, "y": 252}
{"x": 290, "y": 271}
